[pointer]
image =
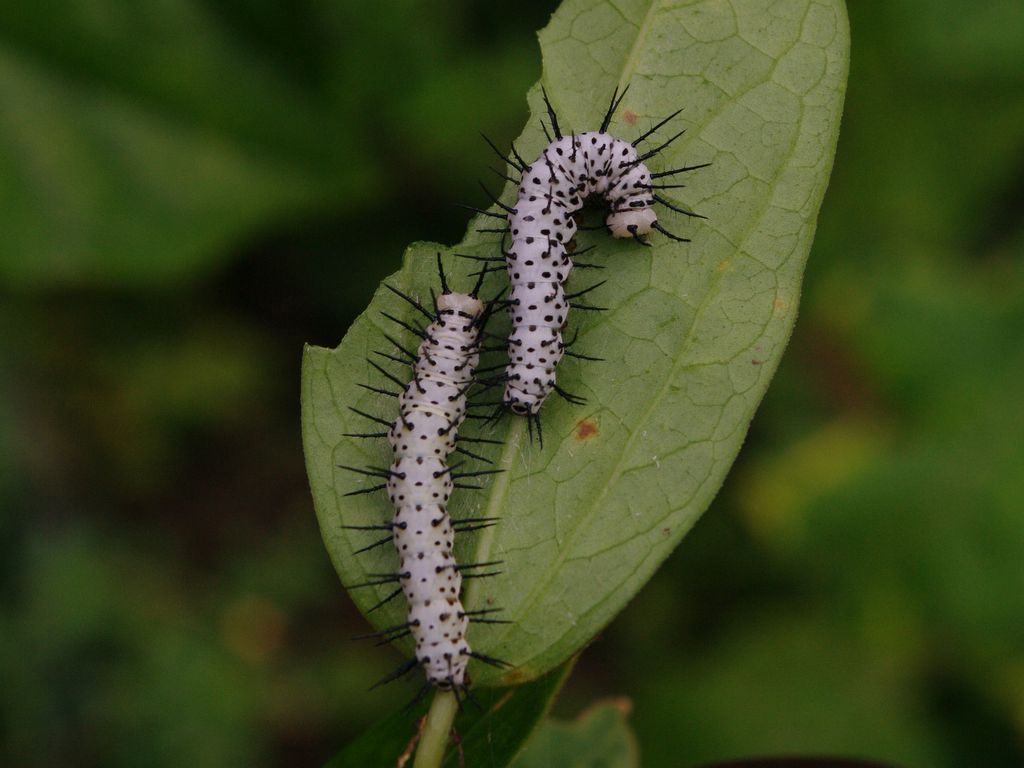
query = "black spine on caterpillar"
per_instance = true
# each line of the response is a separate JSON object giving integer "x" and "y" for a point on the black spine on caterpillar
{"x": 419, "y": 483}
{"x": 551, "y": 190}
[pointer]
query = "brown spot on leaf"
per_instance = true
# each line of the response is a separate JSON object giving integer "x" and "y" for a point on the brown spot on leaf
{"x": 586, "y": 429}
{"x": 518, "y": 676}
{"x": 629, "y": 116}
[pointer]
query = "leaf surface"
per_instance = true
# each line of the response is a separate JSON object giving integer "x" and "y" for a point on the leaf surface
{"x": 692, "y": 337}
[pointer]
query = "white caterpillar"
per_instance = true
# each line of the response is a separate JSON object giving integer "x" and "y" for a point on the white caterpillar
{"x": 419, "y": 483}
{"x": 551, "y": 190}
{"x": 431, "y": 409}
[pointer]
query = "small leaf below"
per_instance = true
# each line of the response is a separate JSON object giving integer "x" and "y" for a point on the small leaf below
{"x": 599, "y": 738}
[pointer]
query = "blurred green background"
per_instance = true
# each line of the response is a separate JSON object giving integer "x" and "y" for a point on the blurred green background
{"x": 191, "y": 189}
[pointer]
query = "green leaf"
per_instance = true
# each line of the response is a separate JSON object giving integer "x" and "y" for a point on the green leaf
{"x": 599, "y": 738}
{"x": 694, "y": 332}
{"x": 486, "y": 737}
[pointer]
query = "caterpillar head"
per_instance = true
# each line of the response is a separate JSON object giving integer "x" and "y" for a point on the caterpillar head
{"x": 632, "y": 222}
{"x": 520, "y": 407}
{"x": 522, "y": 403}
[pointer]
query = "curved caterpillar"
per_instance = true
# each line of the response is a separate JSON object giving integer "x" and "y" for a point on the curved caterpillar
{"x": 552, "y": 189}
{"x": 419, "y": 483}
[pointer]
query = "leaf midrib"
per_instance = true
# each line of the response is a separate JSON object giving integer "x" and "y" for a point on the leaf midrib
{"x": 500, "y": 489}
{"x": 496, "y": 502}
{"x": 679, "y": 365}
{"x": 629, "y": 66}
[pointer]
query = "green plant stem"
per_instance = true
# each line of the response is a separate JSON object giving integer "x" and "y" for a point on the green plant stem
{"x": 434, "y": 739}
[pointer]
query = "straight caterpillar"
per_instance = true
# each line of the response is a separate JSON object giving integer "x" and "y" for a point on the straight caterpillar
{"x": 419, "y": 484}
